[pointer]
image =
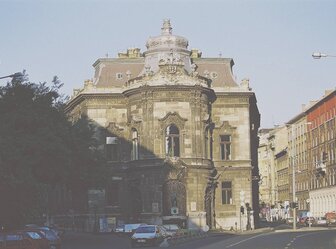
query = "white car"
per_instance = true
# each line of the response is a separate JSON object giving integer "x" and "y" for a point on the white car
{"x": 321, "y": 221}
{"x": 171, "y": 229}
{"x": 148, "y": 235}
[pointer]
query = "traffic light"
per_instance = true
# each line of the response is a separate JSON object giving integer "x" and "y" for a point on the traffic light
{"x": 293, "y": 205}
{"x": 241, "y": 209}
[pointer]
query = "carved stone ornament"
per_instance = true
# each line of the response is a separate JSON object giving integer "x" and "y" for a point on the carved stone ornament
{"x": 172, "y": 118}
{"x": 225, "y": 127}
{"x": 135, "y": 122}
{"x": 176, "y": 167}
{"x": 114, "y": 129}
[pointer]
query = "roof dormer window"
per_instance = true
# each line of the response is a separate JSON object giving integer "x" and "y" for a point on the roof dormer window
{"x": 119, "y": 76}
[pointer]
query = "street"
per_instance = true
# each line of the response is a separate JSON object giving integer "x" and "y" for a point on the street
{"x": 307, "y": 239}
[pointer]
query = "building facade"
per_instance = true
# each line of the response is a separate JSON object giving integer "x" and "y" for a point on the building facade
{"x": 298, "y": 161}
{"x": 180, "y": 135}
{"x": 321, "y": 154}
{"x": 273, "y": 168}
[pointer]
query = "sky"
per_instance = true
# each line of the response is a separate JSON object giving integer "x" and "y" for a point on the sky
{"x": 270, "y": 41}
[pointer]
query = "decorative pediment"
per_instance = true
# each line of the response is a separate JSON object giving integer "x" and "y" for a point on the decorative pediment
{"x": 225, "y": 127}
{"x": 172, "y": 118}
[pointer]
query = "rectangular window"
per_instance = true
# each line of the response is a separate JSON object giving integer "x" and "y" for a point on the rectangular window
{"x": 112, "y": 149}
{"x": 112, "y": 197}
{"x": 226, "y": 192}
{"x": 225, "y": 147}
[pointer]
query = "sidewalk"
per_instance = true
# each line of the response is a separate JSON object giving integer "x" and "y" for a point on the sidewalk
{"x": 305, "y": 229}
{"x": 254, "y": 231}
{"x": 185, "y": 238}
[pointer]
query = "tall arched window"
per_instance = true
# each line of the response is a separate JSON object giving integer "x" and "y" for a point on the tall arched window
{"x": 135, "y": 148}
{"x": 172, "y": 141}
{"x": 206, "y": 143}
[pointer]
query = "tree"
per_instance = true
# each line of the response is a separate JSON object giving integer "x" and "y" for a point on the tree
{"x": 40, "y": 149}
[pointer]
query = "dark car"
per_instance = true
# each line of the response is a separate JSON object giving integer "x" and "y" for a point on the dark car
{"x": 51, "y": 236}
{"x": 16, "y": 240}
{"x": 38, "y": 237}
{"x": 148, "y": 235}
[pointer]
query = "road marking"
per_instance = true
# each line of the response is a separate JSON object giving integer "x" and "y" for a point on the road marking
{"x": 242, "y": 241}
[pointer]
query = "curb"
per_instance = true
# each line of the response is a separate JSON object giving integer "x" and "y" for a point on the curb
{"x": 183, "y": 238}
{"x": 254, "y": 231}
{"x": 305, "y": 229}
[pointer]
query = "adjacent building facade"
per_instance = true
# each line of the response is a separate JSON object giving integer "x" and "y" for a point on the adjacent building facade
{"x": 179, "y": 133}
{"x": 321, "y": 154}
{"x": 304, "y": 162}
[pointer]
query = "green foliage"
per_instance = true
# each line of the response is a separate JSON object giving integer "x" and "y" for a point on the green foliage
{"x": 40, "y": 149}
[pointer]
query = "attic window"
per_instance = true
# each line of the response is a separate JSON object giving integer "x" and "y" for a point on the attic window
{"x": 214, "y": 75}
{"x": 119, "y": 76}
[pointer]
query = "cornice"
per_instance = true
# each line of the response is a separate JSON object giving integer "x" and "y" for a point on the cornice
{"x": 83, "y": 96}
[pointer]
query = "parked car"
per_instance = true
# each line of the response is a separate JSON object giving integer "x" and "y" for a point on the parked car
{"x": 120, "y": 229}
{"x": 37, "y": 236}
{"x": 289, "y": 220}
{"x": 171, "y": 229}
{"x": 148, "y": 235}
{"x": 302, "y": 220}
{"x": 130, "y": 228}
{"x": 51, "y": 236}
{"x": 321, "y": 221}
{"x": 16, "y": 240}
{"x": 309, "y": 221}
{"x": 331, "y": 218}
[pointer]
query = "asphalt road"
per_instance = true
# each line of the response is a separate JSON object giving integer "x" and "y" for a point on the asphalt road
{"x": 318, "y": 239}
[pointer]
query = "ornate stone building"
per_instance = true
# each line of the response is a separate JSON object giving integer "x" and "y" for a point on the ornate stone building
{"x": 180, "y": 134}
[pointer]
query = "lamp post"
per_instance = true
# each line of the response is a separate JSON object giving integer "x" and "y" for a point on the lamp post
{"x": 293, "y": 180}
{"x": 319, "y": 55}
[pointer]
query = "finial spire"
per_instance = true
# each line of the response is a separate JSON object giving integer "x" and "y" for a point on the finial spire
{"x": 166, "y": 27}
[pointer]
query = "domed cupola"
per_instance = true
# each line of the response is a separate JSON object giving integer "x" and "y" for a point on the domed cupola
{"x": 167, "y": 41}
{"x": 162, "y": 46}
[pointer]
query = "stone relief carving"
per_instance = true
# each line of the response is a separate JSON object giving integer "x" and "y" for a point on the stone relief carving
{"x": 177, "y": 168}
{"x": 172, "y": 118}
{"x": 115, "y": 129}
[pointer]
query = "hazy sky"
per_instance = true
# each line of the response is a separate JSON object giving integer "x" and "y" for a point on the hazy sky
{"x": 271, "y": 42}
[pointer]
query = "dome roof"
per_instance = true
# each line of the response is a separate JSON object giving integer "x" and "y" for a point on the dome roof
{"x": 166, "y": 41}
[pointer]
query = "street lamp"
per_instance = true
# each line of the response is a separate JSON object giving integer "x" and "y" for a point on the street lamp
{"x": 293, "y": 180}
{"x": 318, "y": 55}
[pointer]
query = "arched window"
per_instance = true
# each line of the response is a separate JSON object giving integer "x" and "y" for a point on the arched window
{"x": 135, "y": 148}
{"x": 206, "y": 143}
{"x": 172, "y": 141}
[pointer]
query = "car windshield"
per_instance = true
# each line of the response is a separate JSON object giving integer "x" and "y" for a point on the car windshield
{"x": 171, "y": 227}
{"x": 50, "y": 235}
{"x": 149, "y": 229}
{"x": 34, "y": 235}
